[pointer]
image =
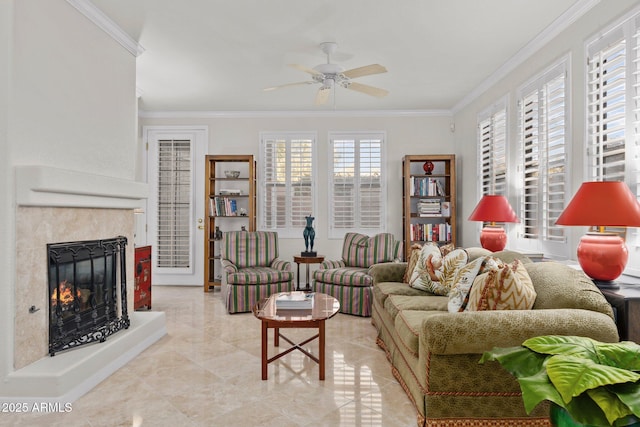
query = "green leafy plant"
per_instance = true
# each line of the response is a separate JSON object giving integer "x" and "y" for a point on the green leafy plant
{"x": 597, "y": 383}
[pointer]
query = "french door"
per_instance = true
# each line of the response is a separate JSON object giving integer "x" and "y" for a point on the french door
{"x": 175, "y": 211}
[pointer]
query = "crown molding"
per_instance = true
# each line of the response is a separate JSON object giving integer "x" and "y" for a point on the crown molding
{"x": 105, "y": 23}
{"x": 570, "y": 16}
{"x": 289, "y": 114}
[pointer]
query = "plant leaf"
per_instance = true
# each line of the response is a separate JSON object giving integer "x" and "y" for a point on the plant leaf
{"x": 610, "y": 404}
{"x": 519, "y": 361}
{"x": 629, "y": 394}
{"x": 560, "y": 344}
{"x": 584, "y": 410}
{"x": 574, "y": 375}
{"x": 625, "y": 354}
{"x": 537, "y": 388}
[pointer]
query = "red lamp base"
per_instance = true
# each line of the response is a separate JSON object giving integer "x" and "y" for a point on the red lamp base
{"x": 602, "y": 256}
{"x": 493, "y": 238}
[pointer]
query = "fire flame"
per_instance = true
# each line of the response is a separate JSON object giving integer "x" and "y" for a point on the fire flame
{"x": 66, "y": 294}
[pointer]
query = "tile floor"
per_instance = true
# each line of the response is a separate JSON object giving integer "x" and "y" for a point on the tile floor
{"x": 206, "y": 372}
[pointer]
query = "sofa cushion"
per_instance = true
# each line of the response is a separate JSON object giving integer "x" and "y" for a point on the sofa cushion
{"x": 507, "y": 287}
{"x": 359, "y": 250}
{"x": 397, "y": 303}
{"x": 381, "y": 291}
{"x": 408, "y": 326}
{"x": 560, "y": 286}
{"x": 258, "y": 275}
{"x": 434, "y": 273}
{"x": 346, "y": 276}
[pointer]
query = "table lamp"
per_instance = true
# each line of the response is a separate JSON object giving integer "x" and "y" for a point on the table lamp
{"x": 602, "y": 256}
{"x": 492, "y": 209}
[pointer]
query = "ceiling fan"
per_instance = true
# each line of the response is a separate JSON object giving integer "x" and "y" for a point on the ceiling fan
{"x": 331, "y": 75}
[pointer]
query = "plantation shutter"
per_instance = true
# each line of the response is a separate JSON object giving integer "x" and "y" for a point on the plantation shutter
{"x": 287, "y": 186}
{"x": 357, "y": 185}
{"x": 543, "y": 126}
{"x": 613, "y": 110}
{"x": 174, "y": 204}
{"x": 492, "y": 135}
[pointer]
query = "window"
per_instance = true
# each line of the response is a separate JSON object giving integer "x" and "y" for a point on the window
{"x": 287, "y": 189}
{"x": 492, "y": 143}
{"x": 543, "y": 127}
{"x": 613, "y": 113}
{"x": 357, "y": 185}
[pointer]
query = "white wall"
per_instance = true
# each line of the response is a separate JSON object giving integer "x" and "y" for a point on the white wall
{"x": 405, "y": 135}
{"x": 70, "y": 104}
{"x": 571, "y": 41}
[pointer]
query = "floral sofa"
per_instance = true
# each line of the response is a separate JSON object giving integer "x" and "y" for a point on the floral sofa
{"x": 434, "y": 352}
{"x": 348, "y": 279}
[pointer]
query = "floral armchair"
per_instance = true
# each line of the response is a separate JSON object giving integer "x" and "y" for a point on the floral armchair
{"x": 348, "y": 279}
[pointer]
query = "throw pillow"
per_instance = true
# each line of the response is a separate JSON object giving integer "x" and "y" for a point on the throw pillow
{"x": 508, "y": 287}
{"x": 465, "y": 278}
{"x": 434, "y": 273}
{"x": 445, "y": 249}
{"x": 414, "y": 254}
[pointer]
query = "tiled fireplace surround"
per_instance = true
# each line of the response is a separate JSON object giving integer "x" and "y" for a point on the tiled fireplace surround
{"x": 55, "y": 205}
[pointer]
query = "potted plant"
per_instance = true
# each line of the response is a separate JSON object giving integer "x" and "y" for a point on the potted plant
{"x": 596, "y": 383}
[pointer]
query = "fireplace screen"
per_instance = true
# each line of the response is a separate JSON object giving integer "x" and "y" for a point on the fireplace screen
{"x": 87, "y": 292}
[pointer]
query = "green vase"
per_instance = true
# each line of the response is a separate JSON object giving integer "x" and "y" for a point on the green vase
{"x": 559, "y": 417}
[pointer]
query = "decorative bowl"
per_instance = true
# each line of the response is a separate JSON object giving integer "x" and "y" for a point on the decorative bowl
{"x": 231, "y": 174}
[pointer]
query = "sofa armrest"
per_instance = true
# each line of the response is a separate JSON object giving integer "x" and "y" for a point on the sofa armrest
{"x": 228, "y": 266}
{"x": 329, "y": 264}
{"x": 387, "y": 272}
{"x": 278, "y": 264}
{"x": 480, "y": 331}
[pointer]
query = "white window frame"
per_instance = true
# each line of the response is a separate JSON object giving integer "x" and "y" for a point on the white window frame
{"x": 291, "y": 227}
{"x": 627, "y": 31}
{"x": 336, "y": 231}
{"x": 545, "y": 130}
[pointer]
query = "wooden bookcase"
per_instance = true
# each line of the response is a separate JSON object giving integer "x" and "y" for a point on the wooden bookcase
{"x": 230, "y": 204}
{"x": 428, "y": 200}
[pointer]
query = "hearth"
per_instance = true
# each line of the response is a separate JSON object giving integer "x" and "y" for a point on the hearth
{"x": 88, "y": 293}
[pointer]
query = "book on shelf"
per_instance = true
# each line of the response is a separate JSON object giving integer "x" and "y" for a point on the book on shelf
{"x": 426, "y": 186}
{"x": 222, "y": 206}
{"x": 296, "y": 300}
{"x": 445, "y": 209}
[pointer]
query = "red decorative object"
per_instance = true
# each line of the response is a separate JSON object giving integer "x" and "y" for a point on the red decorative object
{"x": 142, "y": 290}
{"x": 428, "y": 167}
{"x": 602, "y": 255}
{"x": 493, "y": 208}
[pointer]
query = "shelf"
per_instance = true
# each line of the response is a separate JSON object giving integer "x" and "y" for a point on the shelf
{"x": 215, "y": 165}
{"x": 437, "y": 188}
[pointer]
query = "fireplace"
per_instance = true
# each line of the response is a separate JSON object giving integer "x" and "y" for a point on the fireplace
{"x": 87, "y": 292}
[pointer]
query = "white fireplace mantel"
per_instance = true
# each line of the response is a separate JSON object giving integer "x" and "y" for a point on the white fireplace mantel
{"x": 49, "y": 186}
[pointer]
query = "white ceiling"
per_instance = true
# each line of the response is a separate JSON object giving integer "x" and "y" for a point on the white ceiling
{"x": 219, "y": 55}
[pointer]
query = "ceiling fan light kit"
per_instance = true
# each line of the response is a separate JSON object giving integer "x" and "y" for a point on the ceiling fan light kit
{"x": 331, "y": 75}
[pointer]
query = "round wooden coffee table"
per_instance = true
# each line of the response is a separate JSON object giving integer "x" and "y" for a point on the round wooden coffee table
{"x": 324, "y": 307}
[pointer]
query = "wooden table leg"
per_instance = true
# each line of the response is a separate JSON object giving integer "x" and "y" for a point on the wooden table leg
{"x": 321, "y": 349}
{"x": 276, "y": 337}
{"x": 265, "y": 339}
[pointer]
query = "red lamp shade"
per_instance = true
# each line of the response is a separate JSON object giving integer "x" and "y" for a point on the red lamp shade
{"x": 602, "y": 256}
{"x": 493, "y": 208}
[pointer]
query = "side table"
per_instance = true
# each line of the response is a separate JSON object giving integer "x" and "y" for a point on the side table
{"x": 306, "y": 260}
{"x": 625, "y": 301}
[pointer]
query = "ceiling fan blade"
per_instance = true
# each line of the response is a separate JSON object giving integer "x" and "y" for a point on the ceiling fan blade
{"x": 367, "y": 70}
{"x": 369, "y": 90}
{"x": 322, "y": 96}
{"x": 306, "y": 69}
{"x": 289, "y": 84}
